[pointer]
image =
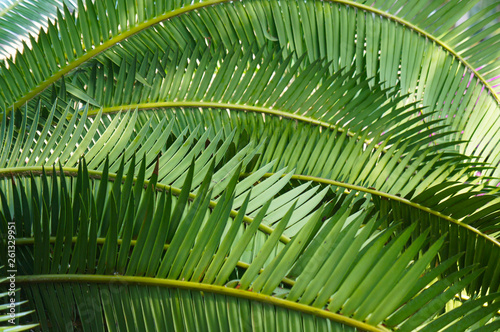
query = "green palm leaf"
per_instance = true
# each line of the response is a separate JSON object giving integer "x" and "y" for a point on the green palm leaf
{"x": 173, "y": 166}
{"x": 251, "y": 165}
{"x": 339, "y": 232}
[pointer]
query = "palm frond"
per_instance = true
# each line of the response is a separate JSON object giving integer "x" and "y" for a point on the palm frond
{"x": 473, "y": 40}
{"x": 254, "y": 165}
{"x": 200, "y": 239}
{"x": 287, "y": 22}
{"x": 339, "y": 103}
{"x": 332, "y": 159}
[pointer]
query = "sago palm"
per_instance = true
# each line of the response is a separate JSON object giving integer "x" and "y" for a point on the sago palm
{"x": 172, "y": 165}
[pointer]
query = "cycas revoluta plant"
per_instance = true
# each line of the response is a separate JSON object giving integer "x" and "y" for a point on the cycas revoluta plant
{"x": 251, "y": 165}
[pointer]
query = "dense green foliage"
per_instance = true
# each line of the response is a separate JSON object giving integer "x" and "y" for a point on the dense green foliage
{"x": 251, "y": 165}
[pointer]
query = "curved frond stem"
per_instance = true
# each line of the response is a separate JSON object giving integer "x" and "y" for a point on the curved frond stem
{"x": 425, "y": 34}
{"x": 38, "y": 170}
{"x": 149, "y": 23}
{"x": 187, "y": 285}
{"x": 111, "y": 42}
{"x": 231, "y": 106}
{"x": 28, "y": 241}
{"x": 391, "y": 197}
